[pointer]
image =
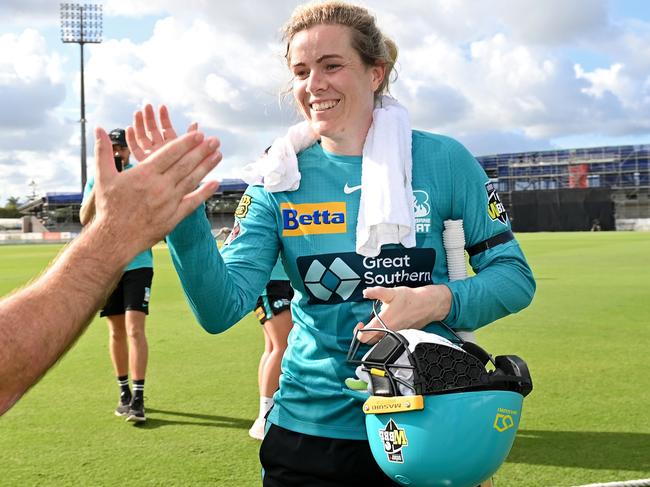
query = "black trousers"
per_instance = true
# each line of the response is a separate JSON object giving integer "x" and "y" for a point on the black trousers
{"x": 291, "y": 459}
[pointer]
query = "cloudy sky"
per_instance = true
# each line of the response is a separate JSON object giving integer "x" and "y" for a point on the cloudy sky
{"x": 499, "y": 75}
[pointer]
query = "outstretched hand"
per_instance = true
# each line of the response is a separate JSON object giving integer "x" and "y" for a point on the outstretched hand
{"x": 405, "y": 307}
{"x": 145, "y": 138}
{"x": 140, "y": 206}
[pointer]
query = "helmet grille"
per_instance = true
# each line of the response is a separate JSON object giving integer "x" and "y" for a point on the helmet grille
{"x": 445, "y": 369}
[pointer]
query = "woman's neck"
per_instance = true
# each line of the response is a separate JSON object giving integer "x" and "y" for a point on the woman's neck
{"x": 345, "y": 146}
{"x": 347, "y": 143}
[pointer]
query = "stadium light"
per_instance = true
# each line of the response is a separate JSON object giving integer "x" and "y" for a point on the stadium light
{"x": 82, "y": 24}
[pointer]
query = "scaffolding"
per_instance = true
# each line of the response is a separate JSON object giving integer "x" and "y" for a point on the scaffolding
{"x": 624, "y": 169}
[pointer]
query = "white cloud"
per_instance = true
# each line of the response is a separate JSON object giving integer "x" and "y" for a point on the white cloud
{"x": 502, "y": 73}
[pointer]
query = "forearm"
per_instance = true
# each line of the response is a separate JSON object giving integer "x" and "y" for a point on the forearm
{"x": 210, "y": 291}
{"x": 503, "y": 287}
{"x": 87, "y": 211}
{"x": 41, "y": 321}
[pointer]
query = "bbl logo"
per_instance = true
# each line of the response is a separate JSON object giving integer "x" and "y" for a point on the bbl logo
{"x": 496, "y": 210}
{"x": 394, "y": 439}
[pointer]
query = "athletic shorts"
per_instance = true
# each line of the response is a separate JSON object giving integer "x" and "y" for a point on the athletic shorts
{"x": 291, "y": 459}
{"x": 131, "y": 294}
{"x": 275, "y": 299}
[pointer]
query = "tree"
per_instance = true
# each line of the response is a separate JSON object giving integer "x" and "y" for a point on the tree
{"x": 10, "y": 210}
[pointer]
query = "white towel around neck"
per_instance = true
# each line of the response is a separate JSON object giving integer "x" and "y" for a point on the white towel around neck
{"x": 386, "y": 206}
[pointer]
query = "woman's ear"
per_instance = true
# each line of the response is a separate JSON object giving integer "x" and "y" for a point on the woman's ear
{"x": 378, "y": 72}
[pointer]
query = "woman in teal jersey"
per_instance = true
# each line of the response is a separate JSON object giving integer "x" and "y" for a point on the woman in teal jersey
{"x": 321, "y": 223}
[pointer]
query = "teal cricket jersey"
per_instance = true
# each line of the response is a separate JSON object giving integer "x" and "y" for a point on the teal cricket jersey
{"x": 313, "y": 230}
{"x": 278, "y": 274}
{"x": 143, "y": 259}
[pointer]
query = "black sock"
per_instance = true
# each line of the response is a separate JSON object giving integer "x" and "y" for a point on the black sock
{"x": 125, "y": 392}
{"x": 138, "y": 390}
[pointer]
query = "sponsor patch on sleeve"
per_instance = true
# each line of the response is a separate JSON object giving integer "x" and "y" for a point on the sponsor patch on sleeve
{"x": 244, "y": 204}
{"x": 496, "y": 210}
{"x": 236, "y": 230}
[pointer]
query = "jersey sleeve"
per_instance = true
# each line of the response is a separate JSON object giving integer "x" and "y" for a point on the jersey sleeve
{"x": 90, "y": 183}
{"x": 503, "y": 282}
{"x": 222, "y": 287}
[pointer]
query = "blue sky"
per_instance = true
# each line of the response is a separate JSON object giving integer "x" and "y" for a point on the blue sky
{"x": 499, "y": 75}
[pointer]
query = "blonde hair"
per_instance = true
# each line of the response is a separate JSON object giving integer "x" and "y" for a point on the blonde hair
{"x": 370, "y": 43}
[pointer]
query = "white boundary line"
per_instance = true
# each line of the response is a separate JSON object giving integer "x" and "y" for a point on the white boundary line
{"x": 627, "y": 483}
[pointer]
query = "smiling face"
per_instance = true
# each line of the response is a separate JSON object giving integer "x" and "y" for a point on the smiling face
{"x": 332, "y": 87}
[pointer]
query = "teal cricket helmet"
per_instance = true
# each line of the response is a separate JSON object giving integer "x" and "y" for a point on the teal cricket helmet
{"x": 436, "y": 415}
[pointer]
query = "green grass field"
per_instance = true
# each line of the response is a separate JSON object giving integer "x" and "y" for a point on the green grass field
{"x": 585, "y": 338}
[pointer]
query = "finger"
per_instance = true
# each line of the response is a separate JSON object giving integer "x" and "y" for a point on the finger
{"x": 384, "y": 294}
{"x": 135, "y": 149}
{"x": 104, "y": 164}
{"x": 140, "y": 133}
{"x": 192, "y": 180}
{"x": 191, "y": 201}
{"x": 371, "y": 337}
{"x": 168, "y": 131}
{"x": 173, "y": 152}
{"x": 194, "y": 126}
{"x": 151, "y": 126}
{"x": 188, "y": 162}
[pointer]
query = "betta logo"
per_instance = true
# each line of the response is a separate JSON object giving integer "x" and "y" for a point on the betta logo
{"x": 313, "y": 218}
{"x": 394, "y": 439}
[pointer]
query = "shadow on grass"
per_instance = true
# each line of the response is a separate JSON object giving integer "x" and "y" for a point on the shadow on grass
{"x": 583, "y": 449}
{"x": 190, "y": 419}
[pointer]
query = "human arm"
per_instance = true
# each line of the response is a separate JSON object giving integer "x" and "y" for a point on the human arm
{"x": 41, "y": 321}
{"x": 87, "y": 210}
{"x": 222, "y": 286}
{"x": 219, "y": 293}
{"x": 503, "y": 283}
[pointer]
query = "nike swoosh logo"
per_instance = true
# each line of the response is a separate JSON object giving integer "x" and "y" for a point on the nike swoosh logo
{"x": 350, "y": 189}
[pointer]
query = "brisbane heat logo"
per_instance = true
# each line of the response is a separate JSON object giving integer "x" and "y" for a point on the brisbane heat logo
{"x": 313, "y": 218}
{"x": 422, "y": 211}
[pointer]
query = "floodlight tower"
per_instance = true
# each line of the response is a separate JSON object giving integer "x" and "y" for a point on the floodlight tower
{"x": 82, "y": 24}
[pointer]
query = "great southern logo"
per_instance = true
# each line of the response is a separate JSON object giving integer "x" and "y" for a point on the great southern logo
{"x": 313, "y": 218}
{"x": 334, "y": 278}
{"x": 394, "y": 439}
{"x": 338, "y": 278}
{"x": 496, "y": 210}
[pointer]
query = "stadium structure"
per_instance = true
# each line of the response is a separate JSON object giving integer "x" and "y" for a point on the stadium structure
{"x": 574, "y": 189}
{"x": 605, "y": 188}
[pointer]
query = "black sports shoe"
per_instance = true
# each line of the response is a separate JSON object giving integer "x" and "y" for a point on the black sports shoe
{"x": 123, "y": 405}
{"x": 136, "y": 412}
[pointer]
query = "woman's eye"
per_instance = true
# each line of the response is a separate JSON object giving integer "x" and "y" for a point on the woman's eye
{"x": 332, "y": 67}
{"x": 301, "y": 74}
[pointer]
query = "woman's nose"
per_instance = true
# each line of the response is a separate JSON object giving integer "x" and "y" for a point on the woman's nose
{"x": 316, "y": 82}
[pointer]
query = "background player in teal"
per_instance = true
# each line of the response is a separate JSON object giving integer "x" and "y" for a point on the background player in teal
{"x": 341, "y": 64}
{"x": 127, "y": 307}
{"x": 273, "y": 309}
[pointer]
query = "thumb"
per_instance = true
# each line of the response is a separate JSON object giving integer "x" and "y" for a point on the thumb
{"x": 104, "y": 165}
{"x": 383, "y": 294}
